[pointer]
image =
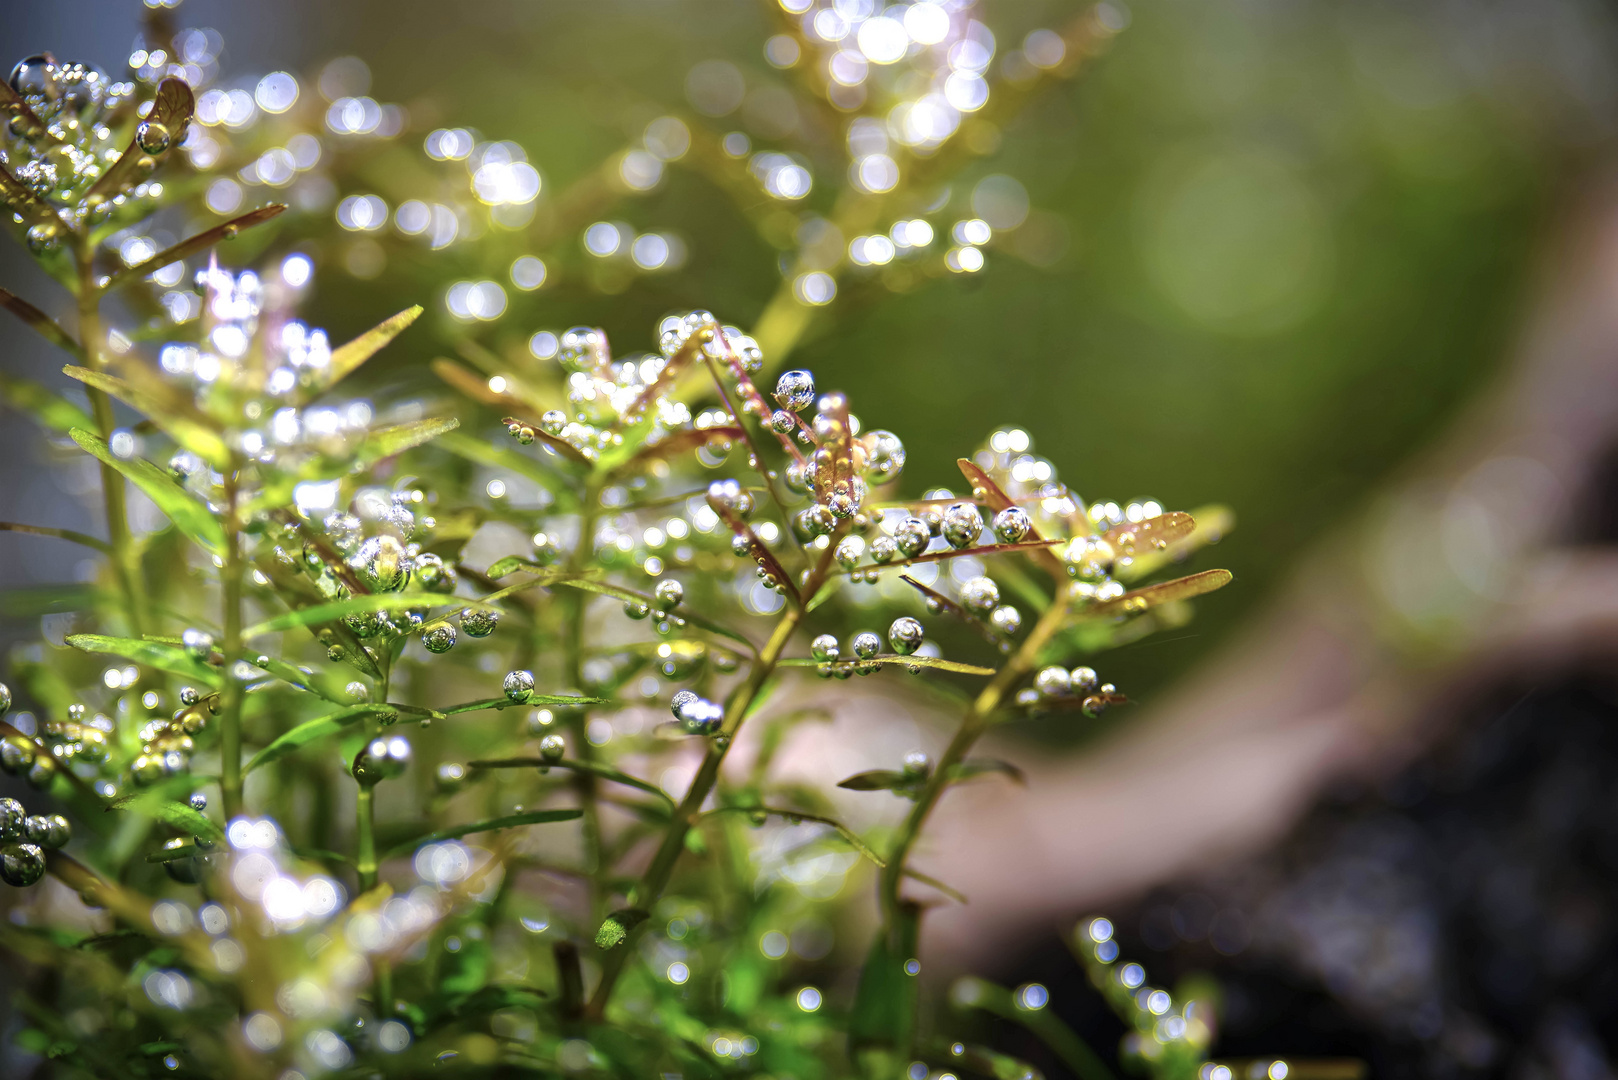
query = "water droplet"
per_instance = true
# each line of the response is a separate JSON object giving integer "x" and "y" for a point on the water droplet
{"x": 152, "y": 136}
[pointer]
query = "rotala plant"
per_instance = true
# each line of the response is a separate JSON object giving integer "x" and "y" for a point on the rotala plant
{"x": 348, "y": 759}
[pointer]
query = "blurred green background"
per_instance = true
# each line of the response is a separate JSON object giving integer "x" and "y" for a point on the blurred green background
{"x": 1293, "y": 237}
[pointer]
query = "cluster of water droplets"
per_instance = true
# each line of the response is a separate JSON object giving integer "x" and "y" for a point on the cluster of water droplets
{"x": 24, "y": 839}
{"x": 58, "y": 142}
{"x": 375, "y": 544}
{"x": 167, "y": 743}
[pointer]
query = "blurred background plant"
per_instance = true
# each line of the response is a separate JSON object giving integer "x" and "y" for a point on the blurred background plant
{"x": 1252, "y": 255}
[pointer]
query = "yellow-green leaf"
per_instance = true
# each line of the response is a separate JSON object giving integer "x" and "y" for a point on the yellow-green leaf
{"x": 49, "y": 409}
{"x": 161, "y": 655}
{"x": 311, "y": 731}
{"x": 346, "y": 357}
{"x": 188, "y": 515}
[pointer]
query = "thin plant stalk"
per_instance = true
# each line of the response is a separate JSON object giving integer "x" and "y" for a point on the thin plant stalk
{"x": 973, "y": 724}
{"x": 657, "y": 875}
{"x": 124, "y": 559}
{"x": 230, "y": 716}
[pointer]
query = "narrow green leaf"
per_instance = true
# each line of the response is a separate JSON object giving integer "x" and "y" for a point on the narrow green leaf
{"x": 984, "y": 1061}
{"x": 311, "y": 731}
{"x": 158, "y": 654}
{"x": 531, "y": 817}
{"x": 177, "y": 504}
{"x": 61, "y": 534}
{"x": 333, "y": 610}
{"x": 510, "y": 565}
{"x": 154, "y": 804}
{"x": 794, "y": 817}
{"x": 617, "y": 927}
{"x": 927, "y": 879}
{"x": 350, "y": 355}
{"x": 41, "y": 323}
{"x": 296, "y": 676}
{"x": 933, "y": 662}
{"x": 386, "y": 442}
{"x": 879, "y": 780}
{"x": 972, "y": 767}
{"x": 148, "y": 394}
{"x": 49, "y": 409}
{"x": 47, "y": 599}
{"x": 606, "y": 772}
{"x": 1149, "y": 596}
{"x": 507, "y": 703}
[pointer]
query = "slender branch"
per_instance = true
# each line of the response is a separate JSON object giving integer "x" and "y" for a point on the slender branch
{"x": 584, "y": 780}
{"x": 69, "y": 535}
{"x": 230, "y": 719}
{"x": 972, "y": 726}
{"x": 365, "y": 842}
{"x": 657, "y": 875}
{"x": 125, "y": 560}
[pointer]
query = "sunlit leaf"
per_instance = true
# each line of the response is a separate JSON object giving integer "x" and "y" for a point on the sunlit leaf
{"x": 43, "y": 406}
{"x": 1213, "y": 523}
{"x": 350, "y": 355}
{"x": 155, "y": 397}
{"x": 158, "y": 654}
{"x": 588, "y": 584}
{"x": 192, "y": 245}
{"x": 564, "y": 700}
{"x": 171, "y": 111}
{"x": 385, "y": 442}
{"x": 994, "y": 498}
{"x": 177, "y": 504}
{"x": 675, "y": 444}
{"x": 1152, "y": 534}
{"x": 295, "y": 676}
{"x": 933, "y": 662}
{"x": 1138, "y": 600}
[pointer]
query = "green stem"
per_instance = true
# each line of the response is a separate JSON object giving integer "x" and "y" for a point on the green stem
{"x": 973, "y": 724}
{"x": 125, "y": 562}
{"x": 584, "y": 782}
{"x": 657, "y": 875}
{"x": 230, "y": 718}
{"x": 365, "y": 855}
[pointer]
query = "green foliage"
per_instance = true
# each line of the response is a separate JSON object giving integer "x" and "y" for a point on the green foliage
{"x": 271, "y": 874}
